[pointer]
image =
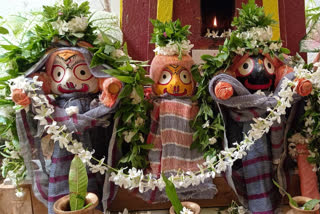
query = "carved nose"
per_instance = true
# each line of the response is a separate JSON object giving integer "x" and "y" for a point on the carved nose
{"x": 70, "y": 85}
{"x": 176, "y": 89}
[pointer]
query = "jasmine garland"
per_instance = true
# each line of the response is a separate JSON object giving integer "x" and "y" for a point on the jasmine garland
{"x": 135, "y": 178}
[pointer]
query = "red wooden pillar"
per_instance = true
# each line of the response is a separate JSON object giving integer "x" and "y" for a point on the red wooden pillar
{"x": 292, "y": 24}
{"x": 137, "y": 28}
{"x": 189, "y": 13}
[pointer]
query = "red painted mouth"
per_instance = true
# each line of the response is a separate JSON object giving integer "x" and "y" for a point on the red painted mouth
{"x": 84, "y": 88}
{"x": 176, "y": 94}
{"x": 257, "y": 87}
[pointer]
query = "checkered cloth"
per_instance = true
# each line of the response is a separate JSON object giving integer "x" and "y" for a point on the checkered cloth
{"x": 251, "y": 177}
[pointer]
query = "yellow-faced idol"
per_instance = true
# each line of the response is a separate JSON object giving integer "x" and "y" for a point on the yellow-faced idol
{"x": 172, "y": 75}
{"x": 176, "y": 81}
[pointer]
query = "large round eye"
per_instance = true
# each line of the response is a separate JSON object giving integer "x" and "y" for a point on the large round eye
{"x": 246, "y": 68}
{"x": 165, "y": 77}
{"x": 57, "y": 73}
{"x": 185, "y": 77}
{"x": 268, "y": 66}
{"x": 82, "y": 72}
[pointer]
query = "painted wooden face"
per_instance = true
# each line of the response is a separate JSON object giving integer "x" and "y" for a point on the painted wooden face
{"x": 176, "y": 81}
{"x": 256, "y": 73}
{"x": 71, "y": 74}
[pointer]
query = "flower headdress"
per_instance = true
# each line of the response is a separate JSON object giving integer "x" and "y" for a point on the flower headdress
{"x": 171, "y": 38}
{"x": 254, "y": 32}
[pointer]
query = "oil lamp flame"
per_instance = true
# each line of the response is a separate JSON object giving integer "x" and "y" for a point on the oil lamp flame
{"x": 215, "y": 23}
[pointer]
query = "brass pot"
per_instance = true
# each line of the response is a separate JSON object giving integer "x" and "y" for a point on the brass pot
{"x": 194, "y": 207}
{"x": 301, "y": 200}
{"x": 62, "y": 205}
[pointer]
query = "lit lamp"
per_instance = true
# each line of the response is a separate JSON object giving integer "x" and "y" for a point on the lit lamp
{"x": 215, "y": 22}
{"x": 215, "y": 31}
{"x": 213, "y": 34}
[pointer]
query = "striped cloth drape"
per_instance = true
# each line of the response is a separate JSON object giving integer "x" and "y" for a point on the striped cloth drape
{"x": 171, "y": 135}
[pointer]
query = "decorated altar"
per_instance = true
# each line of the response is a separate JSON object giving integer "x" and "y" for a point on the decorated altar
{"x": 202, "y": 101}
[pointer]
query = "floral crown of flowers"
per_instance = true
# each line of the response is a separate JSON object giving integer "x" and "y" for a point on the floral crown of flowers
{"x": 171, "y": 38}
{"x": 254, "y": 32}
{"x": 72, "y": 23}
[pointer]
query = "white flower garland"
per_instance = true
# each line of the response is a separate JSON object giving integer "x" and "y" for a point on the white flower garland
{"x": 258, "y": 37}
{"x": 75, "y": 25}
{"x": 298, "y": 138}
{"x": 257, "y": 34}
{"x": 135, "y": 177}
{"x": 172, "y": 48}
{"x": 58, "y": 134}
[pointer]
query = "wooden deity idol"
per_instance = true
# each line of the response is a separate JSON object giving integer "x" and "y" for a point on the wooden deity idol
{"x": 170, "y": 131}
{"x": 84, "y": 99}
{"x": 246, "y": 94}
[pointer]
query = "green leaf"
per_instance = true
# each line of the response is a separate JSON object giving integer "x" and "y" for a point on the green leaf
{"x": 3, "y": 30}
{"x": 125, "y": 79}
{"x": 67, "y": 3}
{"x": 108, "y": 49}
{"x": 172, "y": 194}
{"x": 78, "y": 184}
{"x": 195, "y": 74}
{"x": 126, "y": 91}
{"x": 9, "y": 47}
{"x": 6, "y": 102}
{"x": 146, "y": 81}
{"x": 84, "y": 7}
{"x": 125, "y": 48}
{"x": 146, "y": 146}
{"x": 311, "y": 204}
{"x": 139, "y": 90}
{"x": 291, "y": 201}
{"x": 168, "y": 31}
{"x": 127, "y": 116}
{"x": 285, "y": 50}
{"x": 115, "y": 72}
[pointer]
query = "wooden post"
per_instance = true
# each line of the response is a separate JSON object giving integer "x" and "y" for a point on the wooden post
{"x": 137, "y": 28}
{"x": 292, "y": 24}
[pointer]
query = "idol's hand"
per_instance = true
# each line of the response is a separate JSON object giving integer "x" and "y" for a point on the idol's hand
{"x": 304, "y": 87}
{"x": 110, "y": 89}
{"x": 223, "y": 90}
{"x": 20, "y": 97}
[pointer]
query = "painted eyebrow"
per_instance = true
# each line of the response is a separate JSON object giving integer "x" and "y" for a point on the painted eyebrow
{"x": 181, "y": 69}
{"x": 176, "y": 69}
{"x": 77, "y": 62}
{"x": 59, "y": 58}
